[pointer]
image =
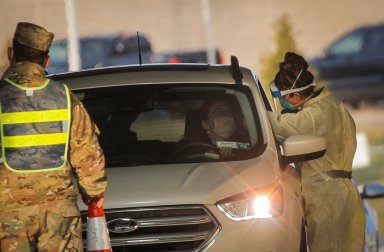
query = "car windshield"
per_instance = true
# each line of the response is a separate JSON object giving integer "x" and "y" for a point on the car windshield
{"x": 93, "y": 50}
{"x": 352, "y": 43}
{"x": 157, "y": 124}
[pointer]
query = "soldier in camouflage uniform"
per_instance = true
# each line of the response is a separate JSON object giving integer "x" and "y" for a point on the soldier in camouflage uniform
{"x": 38, "y": 210}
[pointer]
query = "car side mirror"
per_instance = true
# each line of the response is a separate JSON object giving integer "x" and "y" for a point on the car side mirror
{"x": 298, "y": 148}
{"x": 372, "y": 191}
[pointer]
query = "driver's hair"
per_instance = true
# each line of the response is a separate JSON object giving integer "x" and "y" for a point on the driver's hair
{"x": 225, "y": 98}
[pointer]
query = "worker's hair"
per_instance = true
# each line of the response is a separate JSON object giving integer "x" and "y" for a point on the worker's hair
{"x": 25, "y": 53}
{"x": 294, "y": 68}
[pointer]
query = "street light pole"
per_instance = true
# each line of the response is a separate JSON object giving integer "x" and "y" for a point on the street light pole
{"x": 206, "y": 12}
{"x": 74, "y": 62}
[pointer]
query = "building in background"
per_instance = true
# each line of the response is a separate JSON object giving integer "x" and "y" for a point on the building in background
{"x": 242, "y": 28}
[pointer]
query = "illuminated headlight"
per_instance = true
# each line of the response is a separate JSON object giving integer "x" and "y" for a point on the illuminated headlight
{"x": 266, "y": 202}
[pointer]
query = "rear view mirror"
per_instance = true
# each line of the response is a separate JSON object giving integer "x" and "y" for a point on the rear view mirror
{"x": 298, "y": 148}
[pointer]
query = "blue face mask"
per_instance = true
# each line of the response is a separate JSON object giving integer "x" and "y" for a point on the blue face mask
{"x": 285, "y": 104}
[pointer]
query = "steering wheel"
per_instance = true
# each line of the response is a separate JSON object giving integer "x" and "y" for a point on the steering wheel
{"x": 196, "y": 150}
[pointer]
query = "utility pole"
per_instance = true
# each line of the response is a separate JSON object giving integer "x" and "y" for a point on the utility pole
{"x": 37, "y": 11}
{"x": 74, "y": 62}
{"x": 206, "y": 12}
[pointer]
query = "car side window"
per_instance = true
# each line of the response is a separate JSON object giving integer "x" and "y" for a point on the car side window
{"x": 376, "y": 41}
{"x": 267, "y": 103}
{"x": 58, "y": 53}
{"x": 350, "y": 44}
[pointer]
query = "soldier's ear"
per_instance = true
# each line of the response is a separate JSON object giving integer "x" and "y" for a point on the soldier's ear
{"x": 10, "y": 55}
{"x": 46, "y": 61}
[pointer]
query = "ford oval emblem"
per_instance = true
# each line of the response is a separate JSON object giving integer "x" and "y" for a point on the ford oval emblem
{"x": 122, "y": 225}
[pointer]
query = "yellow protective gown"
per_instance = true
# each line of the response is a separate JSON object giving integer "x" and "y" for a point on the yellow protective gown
{"x": 334, "y": 210}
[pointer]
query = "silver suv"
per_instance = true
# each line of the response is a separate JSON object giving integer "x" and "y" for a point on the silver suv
{"x": 168, "y": 192}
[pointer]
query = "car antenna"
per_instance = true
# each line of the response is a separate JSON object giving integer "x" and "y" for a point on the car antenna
{"x": 138, "y": 45}
{"x": 236, "y": 72}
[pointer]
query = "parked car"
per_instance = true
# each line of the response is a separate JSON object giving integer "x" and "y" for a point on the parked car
{"x": 97, "y": 51}
{"x": 353, "y": 65}
{"x": 372, "y": 236}
{"x": 162, "y": 199}
{"x": 125, "y": 50}
{"x": 187, "y": 56}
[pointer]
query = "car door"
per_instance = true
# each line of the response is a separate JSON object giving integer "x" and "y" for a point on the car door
{"x": 372, "y": 57}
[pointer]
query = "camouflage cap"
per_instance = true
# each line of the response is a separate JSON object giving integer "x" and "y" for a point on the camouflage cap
{"x": 33, "y": 36}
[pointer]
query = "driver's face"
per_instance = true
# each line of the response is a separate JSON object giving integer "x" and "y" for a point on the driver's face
{"x": 221, "y": 121}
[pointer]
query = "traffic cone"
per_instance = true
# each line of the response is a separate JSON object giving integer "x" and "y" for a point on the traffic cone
{"x": 97, "y": 232}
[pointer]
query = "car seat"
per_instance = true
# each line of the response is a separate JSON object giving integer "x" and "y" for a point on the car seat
{"x": 193, "y": 130}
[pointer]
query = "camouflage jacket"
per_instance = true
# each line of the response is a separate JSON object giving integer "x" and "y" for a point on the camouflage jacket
{"x": 85, "y": 157}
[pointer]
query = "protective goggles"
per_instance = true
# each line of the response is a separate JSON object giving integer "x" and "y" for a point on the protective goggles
{"x": 276, "y": 93}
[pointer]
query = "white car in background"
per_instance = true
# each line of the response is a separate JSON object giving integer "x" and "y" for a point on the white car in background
{"x": 161, "y": 199}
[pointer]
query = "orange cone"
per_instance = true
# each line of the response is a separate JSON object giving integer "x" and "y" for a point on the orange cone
{"x": 97, "y": 232}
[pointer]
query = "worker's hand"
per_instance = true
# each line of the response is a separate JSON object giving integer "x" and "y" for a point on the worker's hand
{"x": 100, "y": 201}
{"x": 225, "y": 152}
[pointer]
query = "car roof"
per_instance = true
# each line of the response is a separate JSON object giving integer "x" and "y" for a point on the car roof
{"x": 368, "y": 27}
{"x": 160, "y": 73}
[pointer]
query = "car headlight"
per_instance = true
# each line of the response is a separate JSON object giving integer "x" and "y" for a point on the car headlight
{"x": 266, "y": 202}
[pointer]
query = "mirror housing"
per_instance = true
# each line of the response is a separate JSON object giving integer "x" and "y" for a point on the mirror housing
{"x": 372, "y": 191}
{"x": 299, "y": 148}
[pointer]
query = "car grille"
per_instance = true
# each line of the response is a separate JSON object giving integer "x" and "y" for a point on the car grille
{"x": 179, "y": 228}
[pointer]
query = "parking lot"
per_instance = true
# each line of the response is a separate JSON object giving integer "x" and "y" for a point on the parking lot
{"x": 369, "y": 120}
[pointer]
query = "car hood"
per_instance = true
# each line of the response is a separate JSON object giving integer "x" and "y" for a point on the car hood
{"x": 174, "y": 184}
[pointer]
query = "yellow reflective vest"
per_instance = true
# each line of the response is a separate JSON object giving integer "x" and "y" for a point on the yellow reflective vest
{"x": 35, "y": 126}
